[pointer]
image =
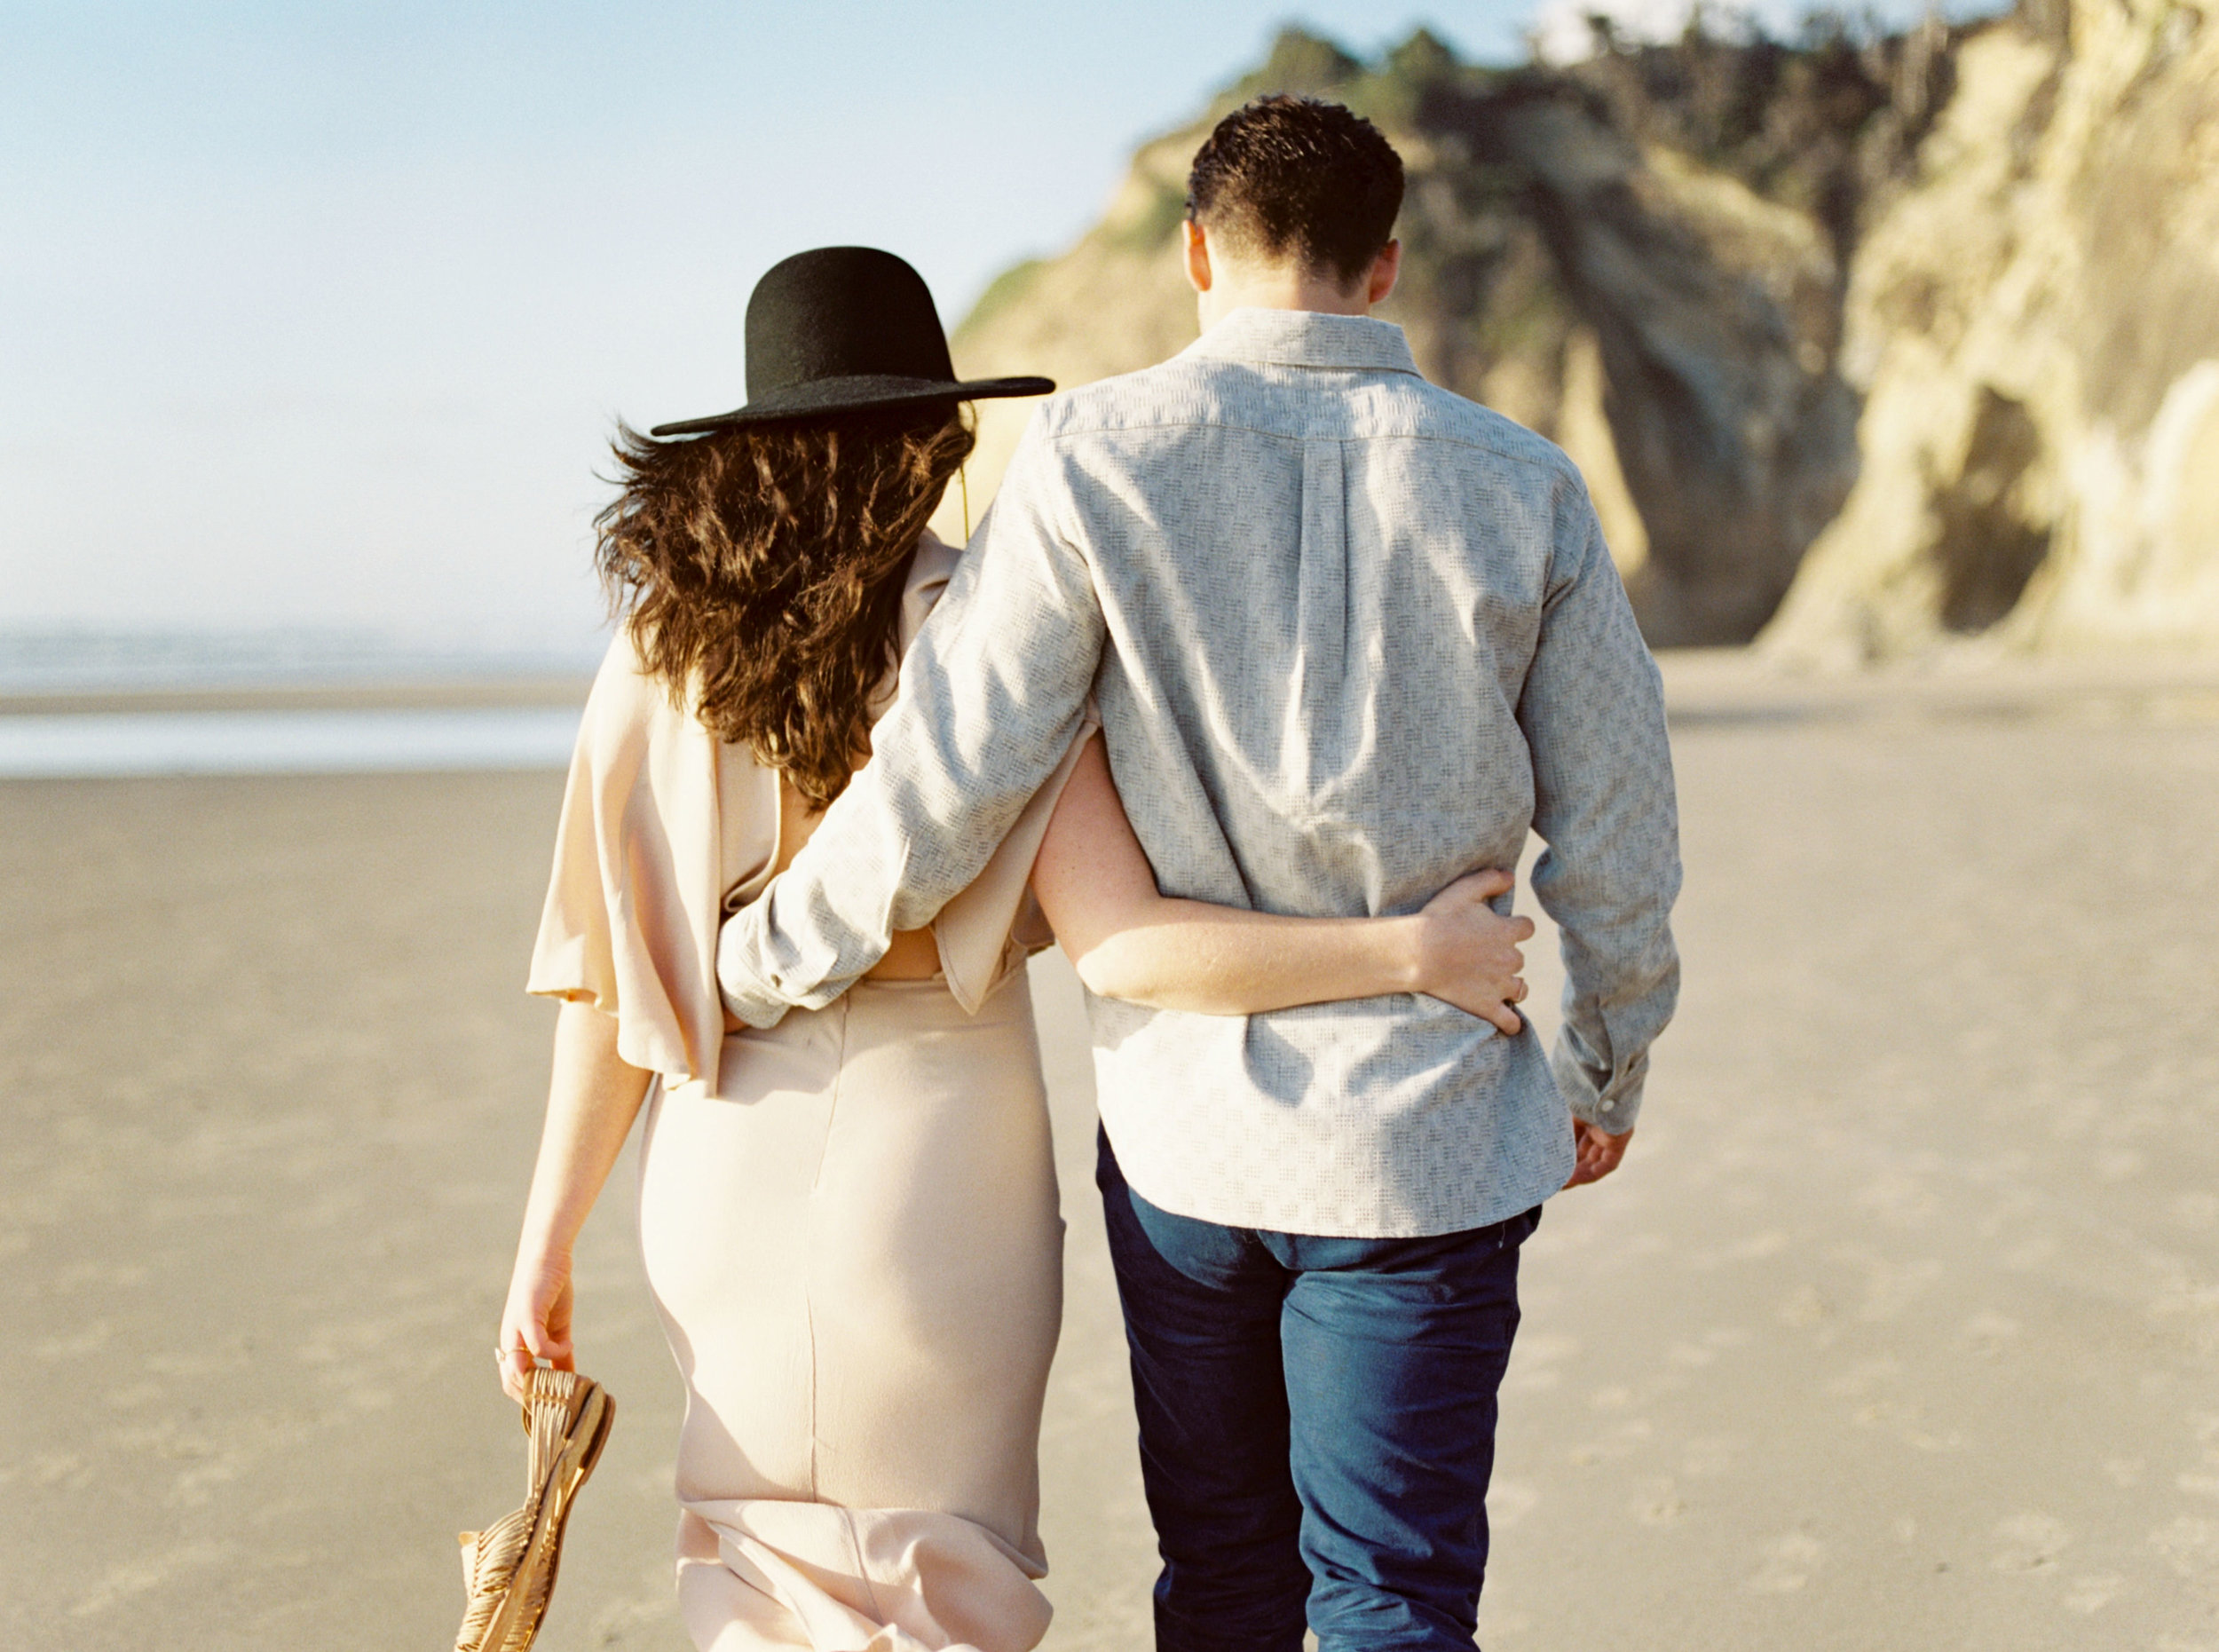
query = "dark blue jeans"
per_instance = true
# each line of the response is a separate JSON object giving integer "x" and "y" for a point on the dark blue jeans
{"x": 1317, "y": 1424}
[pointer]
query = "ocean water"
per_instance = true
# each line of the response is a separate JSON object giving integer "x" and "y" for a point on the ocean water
{"x": 64, "y": 662}
{"x": 96, "y": 744}
{"x": 38, "y": 744}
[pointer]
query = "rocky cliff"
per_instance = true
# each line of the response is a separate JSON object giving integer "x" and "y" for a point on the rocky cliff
{"x": 2034, "y": 329}
{"x": 1662, "y": 257}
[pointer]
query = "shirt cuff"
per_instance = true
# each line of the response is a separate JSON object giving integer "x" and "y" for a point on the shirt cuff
{"x": 746, "y": 994}
{"x": 1612, "y": 1106}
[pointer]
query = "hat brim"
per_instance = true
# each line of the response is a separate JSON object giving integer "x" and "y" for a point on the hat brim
{"x": 858, "y": 393}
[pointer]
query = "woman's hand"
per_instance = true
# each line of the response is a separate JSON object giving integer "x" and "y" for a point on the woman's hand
{"x": 591, "y": 1102}
{"x": 536, "y": 1322}
{"x": 1467, "y": 953}
{"x": 1131, "y": 941}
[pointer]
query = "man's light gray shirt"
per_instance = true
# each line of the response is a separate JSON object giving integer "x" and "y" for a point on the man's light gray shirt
{"x": 1351, "y": 637}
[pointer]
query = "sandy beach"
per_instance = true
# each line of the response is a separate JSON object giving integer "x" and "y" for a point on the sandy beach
{"x": 1899, "y": 1329}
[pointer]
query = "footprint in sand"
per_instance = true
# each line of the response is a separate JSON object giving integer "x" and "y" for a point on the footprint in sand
{"x": 2190, "y": 1545}
{"x": 1710, "y": 1455}
{"x": 1891, "y": 1286}
{"x": 2197, "y": 1210}
{"x": 1788, "y": 1563}
{"x": 88, "y": 1341}
{"x": 65, "y": 1469}
{"x": 2032, "y": 1543}
{"x": 2091, "y": 1593}
{"x": 135, "y": 1577}
{"x": 1803, "y": 1308}
{"x": 1658, "y": 1504}
{"x": 1865, "y": 1375}
{"x": 1508, "y": 1502}
{"x": 2029, "y": 1255}
{"x": 1990, "y": 1334}
{"x": 1537, "y": 1363}
{"x": 1899, "y": 1198}
{"x": 2118, "y": 1164}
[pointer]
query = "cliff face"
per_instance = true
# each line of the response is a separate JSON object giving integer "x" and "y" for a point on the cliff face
{"x": 1713, "y": 311}
{"x": 2036, "y": 330}
{"x": 1929, "y": 308}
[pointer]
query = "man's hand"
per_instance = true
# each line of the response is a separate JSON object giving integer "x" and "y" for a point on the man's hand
{"x": 1599, "y": 1153}
{"x": 1467, "y": 953}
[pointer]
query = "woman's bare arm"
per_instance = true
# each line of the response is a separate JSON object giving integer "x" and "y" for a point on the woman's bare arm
{"x": 595, "y": 1095}
{"x": 1128, "y": 941}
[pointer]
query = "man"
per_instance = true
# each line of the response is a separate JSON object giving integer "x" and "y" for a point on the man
{"x": 1351, "y": 637}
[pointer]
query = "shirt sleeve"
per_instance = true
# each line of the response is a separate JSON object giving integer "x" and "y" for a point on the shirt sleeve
{"x": 992, "y": 695}
{"x": 1593, "y": 715}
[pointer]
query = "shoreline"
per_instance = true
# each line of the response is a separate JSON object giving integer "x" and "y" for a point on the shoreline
{"x": 399, "y": 694}
{"x": 1727, "y": 684}
{"x": 1697, "y": 681}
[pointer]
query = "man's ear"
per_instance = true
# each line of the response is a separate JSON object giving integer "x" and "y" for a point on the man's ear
{"x": 1195, "y": 244}
{"x": 1384, "y": 270}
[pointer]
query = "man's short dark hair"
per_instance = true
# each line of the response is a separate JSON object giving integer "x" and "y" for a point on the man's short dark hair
{"x": 1292, "y": 178}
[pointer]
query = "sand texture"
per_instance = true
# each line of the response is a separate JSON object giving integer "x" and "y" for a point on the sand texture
{"x": 1901, "y": 1328}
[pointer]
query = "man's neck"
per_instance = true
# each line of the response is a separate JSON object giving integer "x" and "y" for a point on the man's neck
{"x": 1282, "y": 290}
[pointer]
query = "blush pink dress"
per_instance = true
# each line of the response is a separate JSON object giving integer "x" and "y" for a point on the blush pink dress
{"x": 850, "y": 1221}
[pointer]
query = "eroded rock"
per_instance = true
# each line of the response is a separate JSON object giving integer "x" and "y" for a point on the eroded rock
{"x": 2036, "y": 325}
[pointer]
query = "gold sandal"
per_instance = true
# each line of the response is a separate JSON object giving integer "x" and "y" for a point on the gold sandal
{"x": 509, "y": 1568}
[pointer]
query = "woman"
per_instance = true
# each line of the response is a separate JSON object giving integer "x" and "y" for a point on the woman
{"x": 850, "y": 1221}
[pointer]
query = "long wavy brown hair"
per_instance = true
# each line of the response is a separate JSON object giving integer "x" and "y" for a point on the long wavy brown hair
{"x": 760, "y": 570}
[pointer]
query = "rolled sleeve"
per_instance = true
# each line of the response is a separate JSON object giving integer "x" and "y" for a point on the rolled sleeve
{"x": 993, "y": 693}
{"x": 1593, "y": 715}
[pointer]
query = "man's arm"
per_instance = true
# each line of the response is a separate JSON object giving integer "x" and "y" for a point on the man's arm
{"x": 991, "y": 696}
{"x": 1593, "y": 715}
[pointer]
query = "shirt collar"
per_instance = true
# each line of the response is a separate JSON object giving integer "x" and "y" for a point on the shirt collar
{"x": 1305, "y": 339}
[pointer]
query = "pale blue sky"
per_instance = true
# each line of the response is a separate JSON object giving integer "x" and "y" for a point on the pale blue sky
{"x": 319, "y": 313}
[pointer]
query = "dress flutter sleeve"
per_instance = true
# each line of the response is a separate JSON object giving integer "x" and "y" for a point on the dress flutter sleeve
{"x": 635, "y": 900}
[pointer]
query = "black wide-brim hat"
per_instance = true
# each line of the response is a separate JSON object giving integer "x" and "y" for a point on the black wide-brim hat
{"x": 847, "y": 329}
